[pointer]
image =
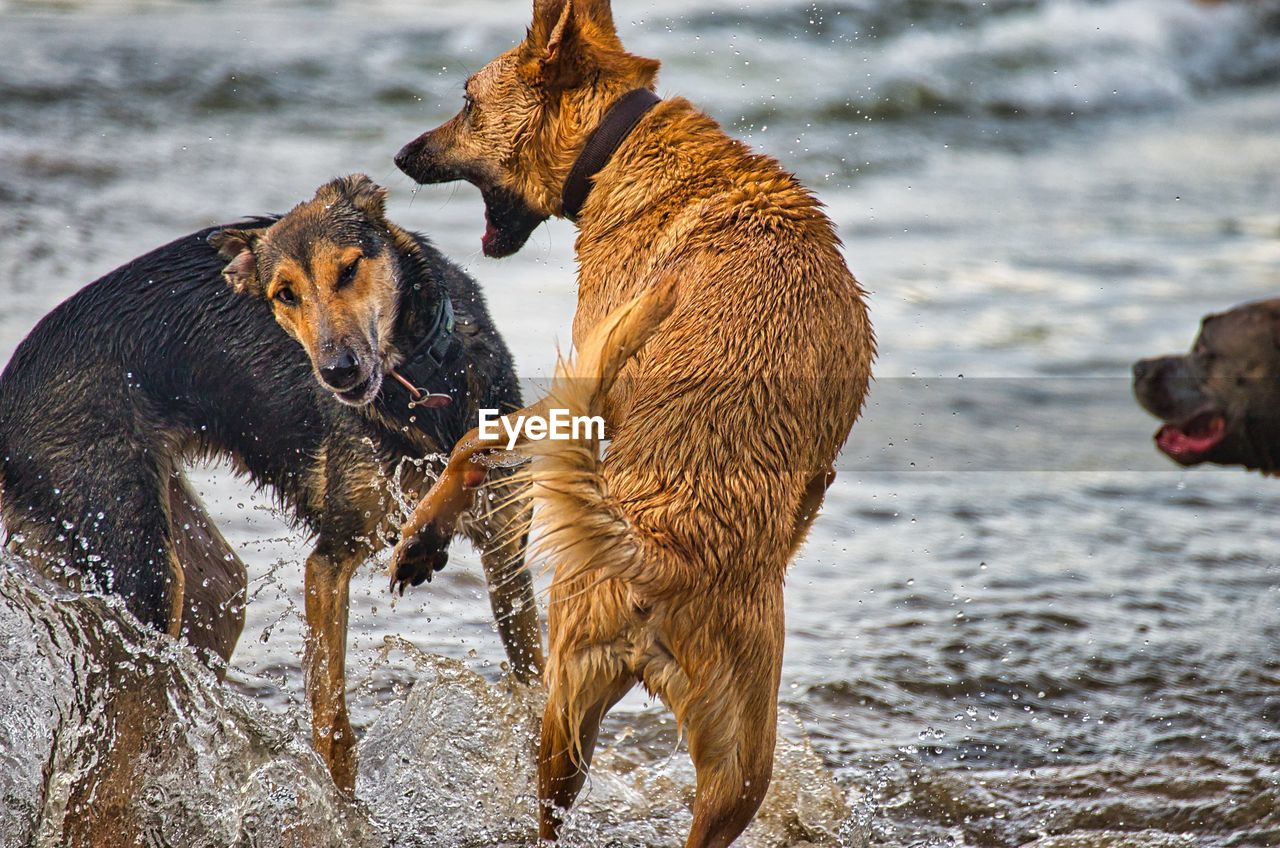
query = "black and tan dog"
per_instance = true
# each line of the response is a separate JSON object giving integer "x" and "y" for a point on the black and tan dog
{"x": 1220, "y": 403}
{"x": 161, "y": 362}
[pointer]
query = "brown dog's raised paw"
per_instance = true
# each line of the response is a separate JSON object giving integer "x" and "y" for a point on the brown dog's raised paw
{"x": 418, "y": 557}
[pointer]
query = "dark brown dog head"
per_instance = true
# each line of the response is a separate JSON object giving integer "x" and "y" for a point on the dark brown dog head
{"x": 527, "y": 114}
{"x": 1221, "y": 402}
{"x": 328, "y": 270}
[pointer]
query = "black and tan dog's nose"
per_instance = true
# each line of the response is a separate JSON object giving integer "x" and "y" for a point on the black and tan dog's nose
{"x": 1141, "y": 368}
{"x": 341, "y": 372}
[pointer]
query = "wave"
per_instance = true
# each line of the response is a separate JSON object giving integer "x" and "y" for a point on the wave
{"x": 1014, "y": 60}
{"x": 799, "y": 63}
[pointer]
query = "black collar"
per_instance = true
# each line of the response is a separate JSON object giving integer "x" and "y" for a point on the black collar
{"x": 616, "y": 125}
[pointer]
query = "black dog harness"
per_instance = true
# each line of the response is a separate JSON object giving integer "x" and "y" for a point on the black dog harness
{"x": 432, "y": 354}
{"x": 432, "y": 364}
{"x": 604, "y": 141}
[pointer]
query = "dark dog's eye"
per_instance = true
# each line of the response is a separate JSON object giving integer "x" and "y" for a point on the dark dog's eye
{"x": 348, "y": 275}
{"x": 468, "y": 103}
{"x": 287, "y": 297}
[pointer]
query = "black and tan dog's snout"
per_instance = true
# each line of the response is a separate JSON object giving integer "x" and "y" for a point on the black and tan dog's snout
{"x": 342, "y": 372}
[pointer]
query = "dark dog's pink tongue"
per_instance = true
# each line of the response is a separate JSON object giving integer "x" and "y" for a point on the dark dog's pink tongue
{"x": 1192, "y": 438}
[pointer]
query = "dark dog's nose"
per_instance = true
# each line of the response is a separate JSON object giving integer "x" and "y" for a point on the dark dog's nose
{"x": 1141, "y": 368}
{"x": 342, "y": 371}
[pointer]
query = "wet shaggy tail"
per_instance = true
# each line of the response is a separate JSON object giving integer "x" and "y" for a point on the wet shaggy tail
{"x": 582, "y": 530}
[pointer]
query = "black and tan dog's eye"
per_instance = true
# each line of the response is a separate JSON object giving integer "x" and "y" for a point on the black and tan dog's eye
{"x": 287, "y": 297}
{"x": 348, "y": 275}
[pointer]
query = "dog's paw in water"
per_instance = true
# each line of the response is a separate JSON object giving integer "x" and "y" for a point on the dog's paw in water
{"x": 416, "y": 558}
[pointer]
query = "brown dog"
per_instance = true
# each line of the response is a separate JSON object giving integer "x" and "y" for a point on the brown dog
{"x": 670, "y": 553}
{"x": 1221, "y": 402}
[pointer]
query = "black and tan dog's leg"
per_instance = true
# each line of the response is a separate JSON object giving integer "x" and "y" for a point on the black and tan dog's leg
{"x": 503, "y": 543}
{"x": 110, "y": 529}
{"x": 216, "y": 580}
{"x": 327, "y": 590}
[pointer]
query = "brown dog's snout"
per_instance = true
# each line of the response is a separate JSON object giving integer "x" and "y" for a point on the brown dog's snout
{"x": 408, "y": 155}
{"x": 341, "y": 371}
{"x": 420, "y": 159}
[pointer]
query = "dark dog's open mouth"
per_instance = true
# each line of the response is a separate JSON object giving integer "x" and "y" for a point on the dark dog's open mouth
{"x": 508, "y": 222}
{"x": 362, "y": 393}
{"x": 1189, "y": 441}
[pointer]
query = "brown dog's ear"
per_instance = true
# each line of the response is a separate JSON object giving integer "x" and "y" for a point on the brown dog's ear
{"x": 545, "y": 15}
{"x": 241, "y": 272}
{"x": 362, "y": 193}
{"x": 561, "y": 60}
{"x": 580, "y": 42}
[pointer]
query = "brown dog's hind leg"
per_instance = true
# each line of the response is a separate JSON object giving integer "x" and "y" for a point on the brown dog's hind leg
{"x": 731, "y": 718}
{"x": 564, "y": 754}
{"x": 327, "y": 585}
{"x": 732, "y": 777}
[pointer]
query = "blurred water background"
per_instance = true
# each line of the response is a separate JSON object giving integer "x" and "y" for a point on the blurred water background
{"x": 1014, "y": 622}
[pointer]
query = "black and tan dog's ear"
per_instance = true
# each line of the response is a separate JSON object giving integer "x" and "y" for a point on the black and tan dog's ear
{"x": 362, "y": 193}
{"x": 241, "y": 272}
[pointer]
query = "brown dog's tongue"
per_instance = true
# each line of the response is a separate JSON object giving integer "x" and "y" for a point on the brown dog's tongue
{"x": 489, "y": 233}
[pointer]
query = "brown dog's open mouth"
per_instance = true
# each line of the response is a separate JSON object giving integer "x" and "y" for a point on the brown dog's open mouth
{"x": 508, "y": 222}
{"x": 1193, "y": 438}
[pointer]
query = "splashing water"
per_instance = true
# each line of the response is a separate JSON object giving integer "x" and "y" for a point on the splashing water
{"x": 112, "y": 734}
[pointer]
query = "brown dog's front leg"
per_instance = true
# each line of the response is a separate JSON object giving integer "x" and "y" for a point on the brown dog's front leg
{"x": 326, "y": 587}
{"x": 424, "y": 537}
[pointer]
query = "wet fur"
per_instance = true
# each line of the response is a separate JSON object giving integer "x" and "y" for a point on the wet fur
{"x": 160, "y": 363}
{"x": 671, "y": 551}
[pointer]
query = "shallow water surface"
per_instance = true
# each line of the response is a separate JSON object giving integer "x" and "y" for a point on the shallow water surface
{"x": 1014, "y": 622}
